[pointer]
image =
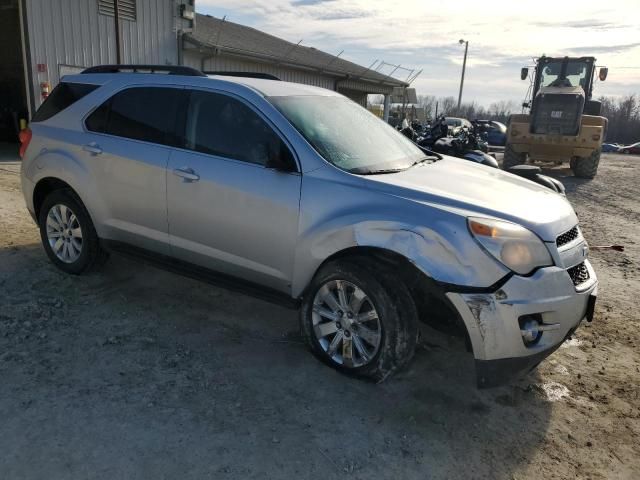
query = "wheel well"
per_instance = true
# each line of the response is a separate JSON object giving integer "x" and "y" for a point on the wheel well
{"x": 43, "y": 188}
{"x": 434, "y": 308}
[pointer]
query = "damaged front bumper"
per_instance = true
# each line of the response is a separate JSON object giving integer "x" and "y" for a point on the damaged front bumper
{"x": 495, "y": 320}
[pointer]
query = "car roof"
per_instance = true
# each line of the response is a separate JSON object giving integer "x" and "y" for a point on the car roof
{"x": 267, "y": 88}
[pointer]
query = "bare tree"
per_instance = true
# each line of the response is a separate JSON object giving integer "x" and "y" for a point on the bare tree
{"x": 447, "y": 106}
{"x": 624, "y": 118}
{"x": 428, "y": 102}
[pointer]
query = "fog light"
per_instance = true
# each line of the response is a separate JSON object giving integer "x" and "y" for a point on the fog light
{"x": 530, "y": 329}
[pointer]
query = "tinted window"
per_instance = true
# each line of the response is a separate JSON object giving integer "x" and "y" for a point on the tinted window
{"x": 97, "y": 121}
{"x": 223, "y": 126}
{"x": 146, "y": 113}
{"x": 64, "y": 95}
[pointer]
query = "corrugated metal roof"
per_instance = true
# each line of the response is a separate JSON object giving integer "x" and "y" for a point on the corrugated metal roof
{"x": 214, "y": 33}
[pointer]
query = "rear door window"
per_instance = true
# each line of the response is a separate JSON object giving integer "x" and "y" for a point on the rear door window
{"x": 64, "y": 95}
{"x": 141, "y": 113}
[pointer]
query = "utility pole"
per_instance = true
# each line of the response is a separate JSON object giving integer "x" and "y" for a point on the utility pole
{"x": 464, "y": 66}
{"x": 116, "y": 19}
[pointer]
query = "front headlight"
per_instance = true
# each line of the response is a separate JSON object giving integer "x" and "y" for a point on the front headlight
{"x": 514, "y": 246}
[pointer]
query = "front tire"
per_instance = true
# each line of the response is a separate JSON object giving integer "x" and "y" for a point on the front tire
{"x": 68, "y": 234}
{"x": 358, "y": 318}
{"x": 586, "y": 167}
{"x": 512, "y": 158}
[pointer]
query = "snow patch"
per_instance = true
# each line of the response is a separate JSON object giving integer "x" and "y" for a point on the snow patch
{"x": 554, "y": 391}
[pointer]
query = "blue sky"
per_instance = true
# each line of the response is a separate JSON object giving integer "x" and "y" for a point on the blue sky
{"x": 503, "y": 36}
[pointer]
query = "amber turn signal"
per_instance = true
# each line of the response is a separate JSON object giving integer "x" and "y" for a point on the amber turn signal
{"x": 481, "y": 229}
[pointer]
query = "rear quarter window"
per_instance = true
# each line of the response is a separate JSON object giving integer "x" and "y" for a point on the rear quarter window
{"x": 64, "y": 95}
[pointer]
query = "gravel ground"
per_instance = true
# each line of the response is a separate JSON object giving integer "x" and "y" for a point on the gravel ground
{"x": 134, "y": 372}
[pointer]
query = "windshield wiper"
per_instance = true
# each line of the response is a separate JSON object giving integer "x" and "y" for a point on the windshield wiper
{"x": 380, "y": 172}
{"x": 431, "y": 159}
{"x": 430, "y": 155}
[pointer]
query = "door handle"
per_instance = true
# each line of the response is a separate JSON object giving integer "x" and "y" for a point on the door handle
{"x": 93, "y": 148}
{"x": 187, "y": 174}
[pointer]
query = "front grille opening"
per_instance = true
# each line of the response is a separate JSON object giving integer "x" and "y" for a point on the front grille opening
{"x": 567, "y": 237}
{"x": 557, "y": 114}
{"x": 579, "y": 274}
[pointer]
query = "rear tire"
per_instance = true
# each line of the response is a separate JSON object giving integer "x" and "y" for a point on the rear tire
{"x": 68, "y": 235}
{"x": 512, "y": 158}
{"x": 586, "y": 167}
{"x": 389, "y": 312}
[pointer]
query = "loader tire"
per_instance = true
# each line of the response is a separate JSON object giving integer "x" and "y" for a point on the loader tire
{"x": 512, "y": 158}
{"x": 586, "y": 167}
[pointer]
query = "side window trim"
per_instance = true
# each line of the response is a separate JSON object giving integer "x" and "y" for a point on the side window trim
{"x": 109, "y": 99}
{"x": 253, "y": 108}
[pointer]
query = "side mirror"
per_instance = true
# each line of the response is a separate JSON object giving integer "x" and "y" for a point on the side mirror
{"x": 524, "y": 73}
{"x": 602, "y": 74}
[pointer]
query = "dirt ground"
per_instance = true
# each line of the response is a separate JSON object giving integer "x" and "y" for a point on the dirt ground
{"x": 134, "y": 372}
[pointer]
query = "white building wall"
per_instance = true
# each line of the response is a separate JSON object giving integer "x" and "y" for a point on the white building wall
{"x": 230, "y": 64}
{"x": 63, "y": 34}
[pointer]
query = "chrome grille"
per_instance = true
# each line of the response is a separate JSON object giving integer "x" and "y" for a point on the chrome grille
{"x": 567, "y": 237}
{"x": 579, "y": 274}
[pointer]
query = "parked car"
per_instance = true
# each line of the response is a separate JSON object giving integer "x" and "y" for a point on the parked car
{"x": 610, "y": 147}
{"x": 634, "y": 148}
{"x": 497, "y": 133}
{"x": 454, "y": 122}
{"x": 299, "y": 195}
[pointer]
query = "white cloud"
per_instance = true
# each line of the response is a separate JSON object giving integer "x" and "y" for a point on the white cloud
{"x": 502, "y": 34}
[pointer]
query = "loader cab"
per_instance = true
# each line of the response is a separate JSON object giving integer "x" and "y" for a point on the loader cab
{"x": 565, "y": 72}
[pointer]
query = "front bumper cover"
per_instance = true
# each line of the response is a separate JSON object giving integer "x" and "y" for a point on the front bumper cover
{"x": 494, "y": 373}
{"x": 491, "y": 320}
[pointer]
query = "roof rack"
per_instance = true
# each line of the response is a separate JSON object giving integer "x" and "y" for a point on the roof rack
{"x": 166, "y": 69}
{"x": 264, "y": 76}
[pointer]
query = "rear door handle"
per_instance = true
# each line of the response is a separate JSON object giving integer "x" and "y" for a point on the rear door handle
{"x": 93, "y": 148}
{"x": 187, "y": 174}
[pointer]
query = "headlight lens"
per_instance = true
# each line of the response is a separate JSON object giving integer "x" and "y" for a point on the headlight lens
{"x": 514, "y": 246}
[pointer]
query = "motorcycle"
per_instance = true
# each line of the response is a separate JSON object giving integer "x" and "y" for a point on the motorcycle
{"x": 470, "y": 145}
{"x": 464, "y": 144}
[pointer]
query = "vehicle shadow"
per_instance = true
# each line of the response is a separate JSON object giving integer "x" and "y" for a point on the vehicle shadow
{"x": 134, "y": 371}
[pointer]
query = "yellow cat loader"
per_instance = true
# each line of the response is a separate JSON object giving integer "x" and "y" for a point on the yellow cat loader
{"x": 564, "y": 123}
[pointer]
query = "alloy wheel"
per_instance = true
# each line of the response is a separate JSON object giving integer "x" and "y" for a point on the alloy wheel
{"x": 346, "y": 324}
{"x": 64, "y": 233}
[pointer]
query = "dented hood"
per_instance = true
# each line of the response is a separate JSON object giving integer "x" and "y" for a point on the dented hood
{"x": 474, "y": 189}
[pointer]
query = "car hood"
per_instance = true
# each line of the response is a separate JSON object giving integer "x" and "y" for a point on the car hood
{"x": 473, "y": 189}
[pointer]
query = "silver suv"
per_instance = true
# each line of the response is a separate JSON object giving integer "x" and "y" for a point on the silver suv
{"x": 300, "y": 195}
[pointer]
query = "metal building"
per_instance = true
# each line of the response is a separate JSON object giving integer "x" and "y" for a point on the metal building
{"x": 42, "y": 40}
{"x": 218, "y": 45}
